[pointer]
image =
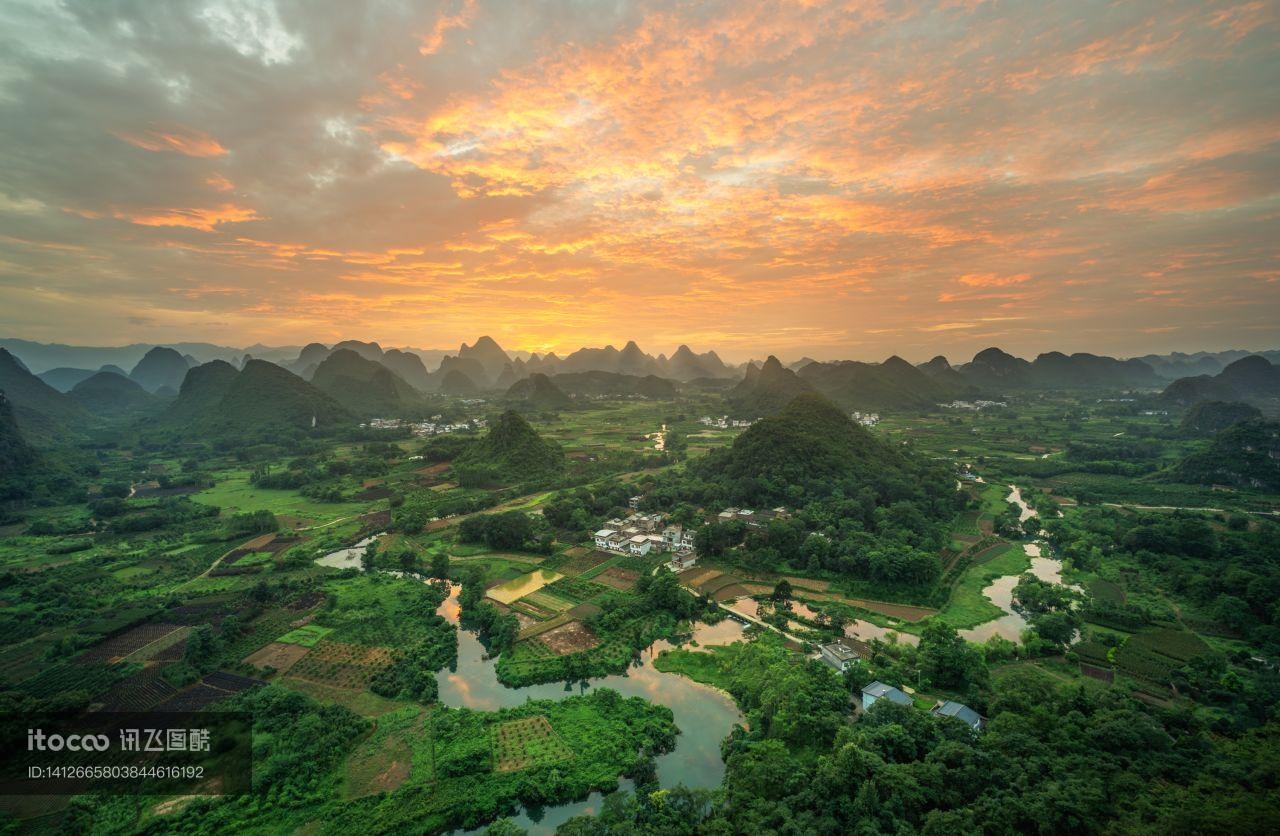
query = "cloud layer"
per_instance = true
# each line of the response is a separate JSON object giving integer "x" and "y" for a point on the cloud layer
{"x": 836, "y": 179}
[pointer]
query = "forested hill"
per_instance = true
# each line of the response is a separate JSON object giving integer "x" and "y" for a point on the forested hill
{"x": 363, "y": 386}
{"x": 537, "y": 392}
{"x": 41, "y": 411}
{"x": 16, "y": 456}
{"x": 1244, "y": 455}
{"x": 766, "y": 390}
{"x": 813, "y": 446}
{"x": 261, "y": 399}
{"x": 511, "y": 452}
{"x": 859, "y": 507}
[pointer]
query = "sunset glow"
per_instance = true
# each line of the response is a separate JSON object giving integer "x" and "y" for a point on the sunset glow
{"x": 844, "y": 179}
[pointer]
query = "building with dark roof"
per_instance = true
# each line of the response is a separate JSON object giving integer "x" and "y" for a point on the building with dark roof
{"x": 961, "y": 712}
{"x": 879, "y": 691}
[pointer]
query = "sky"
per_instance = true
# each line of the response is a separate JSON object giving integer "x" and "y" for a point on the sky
{"x": 837, "y": 180}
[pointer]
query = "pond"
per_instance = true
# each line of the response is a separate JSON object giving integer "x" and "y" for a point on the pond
{"x": 348, "y": 558}
{"x": 704, "y": 715}
{"x": 866, "y": 631}
{"x": 505, "y": 593}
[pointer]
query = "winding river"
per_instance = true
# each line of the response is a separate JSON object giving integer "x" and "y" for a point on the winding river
{"x": 704, "y": 715}
{"x": 1000, "y": 591}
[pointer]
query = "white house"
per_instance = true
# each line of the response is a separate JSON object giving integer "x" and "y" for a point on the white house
{"x": 602, "y": 537}
{"x": 839, "y": 656}
{"x": 639, "y": 545}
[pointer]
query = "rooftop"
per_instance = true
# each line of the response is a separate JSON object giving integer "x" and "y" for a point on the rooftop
{"x": 841, "y": 651}
{"x": 959, "y": 710}
{"x": 878, "y": 689}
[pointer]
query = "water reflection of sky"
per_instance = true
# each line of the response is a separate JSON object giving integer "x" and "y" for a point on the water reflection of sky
{"x": 704, "y": 715}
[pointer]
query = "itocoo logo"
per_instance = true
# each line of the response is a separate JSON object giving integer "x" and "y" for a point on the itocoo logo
{"x": 38, "y": 741}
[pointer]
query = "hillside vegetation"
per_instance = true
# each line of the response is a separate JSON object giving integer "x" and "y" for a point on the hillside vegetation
{"x": 511, "y": 452}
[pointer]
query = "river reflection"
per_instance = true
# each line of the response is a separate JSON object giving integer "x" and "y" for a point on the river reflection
{"x": 704, "y": 715}
{"x": 866, "y": 631}
{"x": 348, "y": 558}
{"x": 1000, "y": 592}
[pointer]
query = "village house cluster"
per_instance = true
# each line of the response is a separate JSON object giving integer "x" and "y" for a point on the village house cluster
{"x": 841, "y": 657}
{"x": 973, "y": 406}
{"x": 639, "y": 534}
{"x": 434, "y": 426}
{"x": 753, "y": 519}
{"x": 724, "y": 422}
{"x": 866, "y": 419}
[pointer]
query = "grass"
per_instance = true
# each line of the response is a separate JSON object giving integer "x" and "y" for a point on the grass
{"x": 364, "y": 703}
{"x": 233, "y": 494}
{"x": 967, "y": 606}
{"x": 383, "y": 760}
{"x": 306, "y": 636}
{"x": 713, "y": 666}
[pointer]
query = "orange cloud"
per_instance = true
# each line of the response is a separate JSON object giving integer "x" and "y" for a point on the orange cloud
{"x": 203, "y": 219}
{"x": 993, "y": 279}
{"x": 461, "y": 19}
{"x": 219, "y": 183}
{"x": 180, "y": 140}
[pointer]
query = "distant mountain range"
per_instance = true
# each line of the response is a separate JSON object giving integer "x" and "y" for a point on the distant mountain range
{"x": 1253, "y": 379}
{"x": 355, "y": 379}
{"x": 896, "y": 384}
{"x": 485, "y": 362}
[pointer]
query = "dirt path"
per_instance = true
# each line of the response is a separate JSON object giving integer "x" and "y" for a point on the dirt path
{"x": 217, "y": 562}
{"x": 331, "y": 522}
{"x": 1186, "y": 508}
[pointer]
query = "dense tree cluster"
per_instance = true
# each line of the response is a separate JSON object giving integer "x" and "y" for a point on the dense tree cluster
{"x": 1230, "y": 572}
{"x": 497, "y": 629}
{"x": 510, "y": 530}
{"x": 1053, "y": 759}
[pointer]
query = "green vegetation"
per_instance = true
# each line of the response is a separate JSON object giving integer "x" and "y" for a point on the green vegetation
{"x": 967, "y": 606}
{"x": 511, "y": 452}
{"x": 364, "y": 387}
{"x": 305, "y": 636}
{"x": 1245, "y": 454}
{"x": 862, "y": 509}
{"x": 146, "y": 556}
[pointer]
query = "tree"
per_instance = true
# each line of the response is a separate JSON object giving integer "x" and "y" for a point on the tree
{"x": 948, "y": 660}
{"x": 408, "y": 561}
{"x": 440, "y": 566}
{"x": 370, "y": 555}
{"x": 782, "y": 590}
